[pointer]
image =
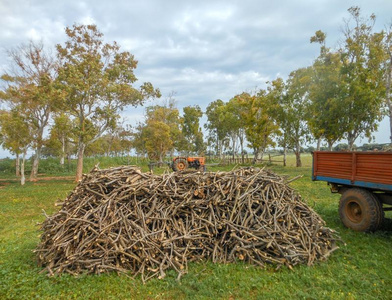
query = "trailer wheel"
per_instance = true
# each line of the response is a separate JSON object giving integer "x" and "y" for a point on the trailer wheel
{"x": 360, "y": 210}
{"x": 381, "y": 213}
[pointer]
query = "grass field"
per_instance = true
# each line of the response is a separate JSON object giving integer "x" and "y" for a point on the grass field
{"x": 360, "y": 269}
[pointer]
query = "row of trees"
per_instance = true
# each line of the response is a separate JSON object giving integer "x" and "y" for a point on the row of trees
{"x": 165, "y": 131}
{"x": 82, "y": 89}
{"x": 343, "y": 95}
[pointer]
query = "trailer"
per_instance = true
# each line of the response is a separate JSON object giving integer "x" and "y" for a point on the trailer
{"x": 364, "y": 180}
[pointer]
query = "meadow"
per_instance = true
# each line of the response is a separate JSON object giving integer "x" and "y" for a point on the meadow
{"x": 360, "y": 269}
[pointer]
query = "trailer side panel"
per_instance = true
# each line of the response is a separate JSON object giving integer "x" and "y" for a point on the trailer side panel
{"x": 365, "y": 169}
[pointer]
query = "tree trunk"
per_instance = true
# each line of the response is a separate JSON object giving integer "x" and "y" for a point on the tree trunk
{"x": 161, "y": 158}
{"x": 242, "y": 149}
{"x": 79, "y": 167}
{"x": 298, "y": 158}
{"x": 234, "y": 144}
{"x": 218, "y": 148}
{"x": 330, "y": 144}
{"x": 350, "y": 140}
{"x": 34, "y": 168}
{"x": 22, "y": 166}
{"x": 318, "y": 144}
{"x": 284, "y": 156}
{"x": 62, "y": 158}
{"x": 17, "y": 165}
{"x": 256, "y": 155}
{"x": 261, "y": 154}
{"x": 298, "y": 155}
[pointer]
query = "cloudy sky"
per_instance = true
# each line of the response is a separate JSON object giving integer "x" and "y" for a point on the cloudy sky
{"x": 199, "y": 51}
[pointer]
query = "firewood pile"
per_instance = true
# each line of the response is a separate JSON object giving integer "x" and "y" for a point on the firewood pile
{"x": 121, "y": 219}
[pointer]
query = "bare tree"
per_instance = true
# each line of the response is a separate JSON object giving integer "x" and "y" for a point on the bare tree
{"x": 30, "y": 89}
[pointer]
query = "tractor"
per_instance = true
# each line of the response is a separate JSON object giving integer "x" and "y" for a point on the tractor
{"x": 183, "y": 163}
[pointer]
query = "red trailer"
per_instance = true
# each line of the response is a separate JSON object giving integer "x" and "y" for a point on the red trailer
{"x": 364, "y": 179}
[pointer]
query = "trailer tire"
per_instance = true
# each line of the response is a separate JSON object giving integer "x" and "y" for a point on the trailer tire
{"x": 360, "y": 210}
{"x": 381, "y": 214}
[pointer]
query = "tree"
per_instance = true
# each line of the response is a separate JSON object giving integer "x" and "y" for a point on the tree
{"x": 234, "y": 122}
{"x": 362, "y": 77}
{"x": 98, "y": 79}
{"x": 296, "y": 110}
{"x": 161, "y": 132}
{"x": 292, "y": 99}
{"x": 61, "y": 136}
{"x": 16, "y": 137}
{"x": 191, "y": 130}
{"x": 138, "y": 140}
{"x": 276, "y": 91}
{"x": 217, "y": 132}
{"x": 32, "y": 90}
{"x": 125, "y": 136}
{"x": 259, "y": 116}
{"x": 113, "y": 143}
{"x": 348, "y": 87}
{"x": 157, "y": 140}
{"x": 325, "y": 94}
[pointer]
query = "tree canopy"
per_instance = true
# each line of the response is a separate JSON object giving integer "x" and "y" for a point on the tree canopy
{"x": 98, "y": 79}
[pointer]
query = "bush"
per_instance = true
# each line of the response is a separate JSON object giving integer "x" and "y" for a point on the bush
{"x": 52, "y": 165}
{"x": 7, "y": 166}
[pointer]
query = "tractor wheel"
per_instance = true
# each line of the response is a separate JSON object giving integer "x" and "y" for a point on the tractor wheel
{"x": 180, "y": 164}
{"x": 360, "y": 210}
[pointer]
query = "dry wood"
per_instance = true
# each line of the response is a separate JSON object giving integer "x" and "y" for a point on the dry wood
{"x": 122, "y": 220}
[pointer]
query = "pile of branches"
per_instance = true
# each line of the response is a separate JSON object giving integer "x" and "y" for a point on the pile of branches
{"x": 124, "y": 220}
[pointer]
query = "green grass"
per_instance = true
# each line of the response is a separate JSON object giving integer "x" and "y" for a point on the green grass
{"x": 360, "y": 269}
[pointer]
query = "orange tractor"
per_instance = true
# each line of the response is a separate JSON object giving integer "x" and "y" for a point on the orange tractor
{"x": 183, "y": 163}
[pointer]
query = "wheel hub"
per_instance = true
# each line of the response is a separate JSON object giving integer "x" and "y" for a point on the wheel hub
{"x": 354, "y": 212}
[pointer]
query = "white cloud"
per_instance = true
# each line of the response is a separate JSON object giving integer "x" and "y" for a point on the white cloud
{"x": 87, "y": 20}
{"x": 32, "y": 34}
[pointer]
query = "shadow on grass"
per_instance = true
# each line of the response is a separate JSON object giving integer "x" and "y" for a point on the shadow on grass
{"x": 386, "y": 227}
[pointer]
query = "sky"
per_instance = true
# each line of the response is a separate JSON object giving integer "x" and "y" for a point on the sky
{"x": 195, "y": 51}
